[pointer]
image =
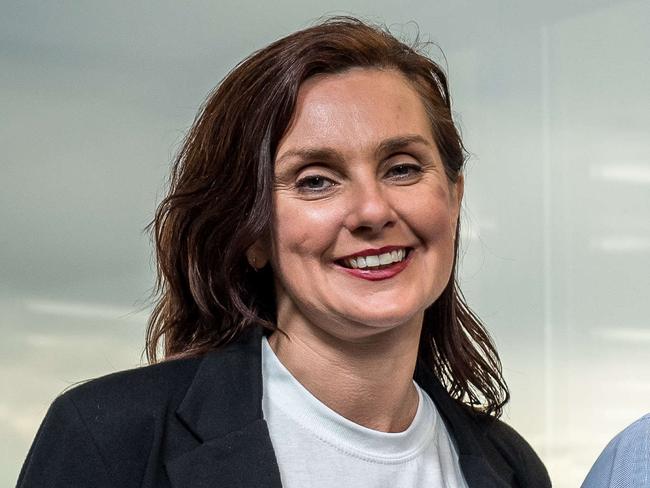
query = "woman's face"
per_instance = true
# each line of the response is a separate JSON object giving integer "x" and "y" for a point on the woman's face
{"x": 358, "y": 175}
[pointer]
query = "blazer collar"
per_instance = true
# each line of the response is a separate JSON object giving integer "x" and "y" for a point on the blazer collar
{"x": 228, "y": 380}
{"x": 223, "y": 409}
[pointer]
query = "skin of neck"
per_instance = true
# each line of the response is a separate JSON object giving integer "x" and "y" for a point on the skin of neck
{"x": 368, "y": 380}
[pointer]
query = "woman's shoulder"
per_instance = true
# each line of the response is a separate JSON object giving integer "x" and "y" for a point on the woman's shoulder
{"x": 105, "y": 422}
{"x": 493, "y": 441}
{"x": 129, "y": 398}
{"x": 137, "y": 388}
{"x": 484, "y": 441}
{"x": 123, "y": 405}
{"x": 505, "y": 442}
{"x": 506, "y": 437}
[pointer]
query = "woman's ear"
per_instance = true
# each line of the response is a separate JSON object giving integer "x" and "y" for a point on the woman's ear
{"x": 257, "y": 255}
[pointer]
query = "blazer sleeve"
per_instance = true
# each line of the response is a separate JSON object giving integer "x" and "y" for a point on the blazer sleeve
{"x": 64, "y": 453}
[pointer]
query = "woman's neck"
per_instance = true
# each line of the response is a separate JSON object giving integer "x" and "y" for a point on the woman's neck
{"x": 368, "y": 381}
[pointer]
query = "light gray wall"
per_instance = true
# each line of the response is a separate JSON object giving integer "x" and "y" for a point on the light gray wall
{"x": 552, "y": 100}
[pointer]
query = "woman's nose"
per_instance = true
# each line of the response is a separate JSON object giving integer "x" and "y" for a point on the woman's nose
{"x": 369, "y": 209}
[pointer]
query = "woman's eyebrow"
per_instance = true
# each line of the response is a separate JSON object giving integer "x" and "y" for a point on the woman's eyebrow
{"x": 310, "y": 154}
{"x": 391, "y": 144}
{"x": 397, "y": 143}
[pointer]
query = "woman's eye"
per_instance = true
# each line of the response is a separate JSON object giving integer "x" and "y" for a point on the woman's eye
{"x": 314, "y": 183}
{"x": 403, "y": 171}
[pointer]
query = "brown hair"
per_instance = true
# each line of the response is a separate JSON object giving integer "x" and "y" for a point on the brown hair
{"x": 220, "y": 202}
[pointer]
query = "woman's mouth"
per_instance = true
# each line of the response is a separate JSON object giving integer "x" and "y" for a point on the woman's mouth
{"x": 376, "y": 261}
{"x": 377, "y": 266}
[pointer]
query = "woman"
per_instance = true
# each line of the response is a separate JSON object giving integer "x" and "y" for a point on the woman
{"x": 312, "y": 331}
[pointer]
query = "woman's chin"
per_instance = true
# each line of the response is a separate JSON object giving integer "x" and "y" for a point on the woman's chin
{"x": 376, "y": 320}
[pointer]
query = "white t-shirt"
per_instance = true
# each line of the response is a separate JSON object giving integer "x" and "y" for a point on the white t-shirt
{"x": 318, "y": 448}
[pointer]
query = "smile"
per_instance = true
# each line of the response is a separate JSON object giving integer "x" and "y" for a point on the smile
{"x": 376, "y": 261}
{"x": 376, "y": 264}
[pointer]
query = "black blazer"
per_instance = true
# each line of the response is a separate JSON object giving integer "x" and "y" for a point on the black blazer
{"x": 193, "y": 423}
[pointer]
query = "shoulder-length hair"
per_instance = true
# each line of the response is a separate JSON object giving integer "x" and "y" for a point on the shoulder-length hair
{"x": 220, "y": 203}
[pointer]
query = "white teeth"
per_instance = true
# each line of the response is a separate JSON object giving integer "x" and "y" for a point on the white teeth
{"x": 372, "y": 260}
{"x": 376, "y": 260}
{"x": 386, "y": 258}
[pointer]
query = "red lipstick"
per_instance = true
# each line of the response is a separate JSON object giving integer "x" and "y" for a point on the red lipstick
{"x": 378, "y": 274}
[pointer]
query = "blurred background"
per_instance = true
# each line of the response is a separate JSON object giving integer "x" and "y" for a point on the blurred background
{"x": 552, "y": 99}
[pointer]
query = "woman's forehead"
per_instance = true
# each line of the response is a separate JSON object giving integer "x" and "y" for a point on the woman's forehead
{"x": 361, "y": 107}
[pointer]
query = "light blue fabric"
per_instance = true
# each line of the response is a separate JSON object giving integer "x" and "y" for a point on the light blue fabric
{"x": 625, "y": 462}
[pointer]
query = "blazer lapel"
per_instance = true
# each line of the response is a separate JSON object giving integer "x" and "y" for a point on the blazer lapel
{"x": 466, "y": 434}
{"x": 223, "y": 409}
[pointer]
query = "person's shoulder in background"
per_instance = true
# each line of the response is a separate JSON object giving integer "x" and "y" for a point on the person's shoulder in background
{"x": 625, "y": 462}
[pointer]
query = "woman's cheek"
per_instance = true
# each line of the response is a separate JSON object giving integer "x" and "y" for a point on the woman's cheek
{"x": 305, "y": 231}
